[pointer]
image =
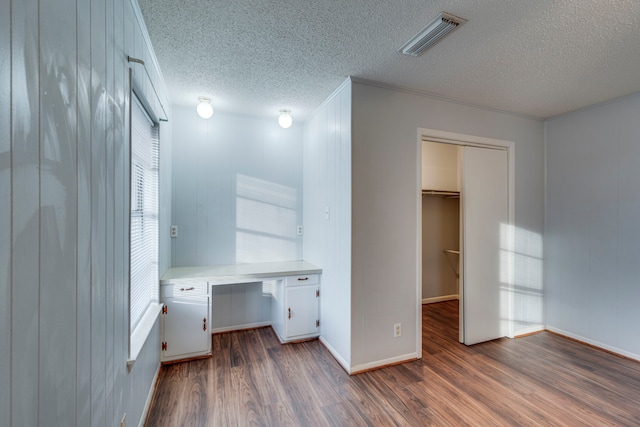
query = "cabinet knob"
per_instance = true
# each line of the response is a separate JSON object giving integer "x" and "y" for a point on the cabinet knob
{"x": 289, "y": 315}
{"x": 187, "y": 289}
{"x": 303, "y": 278}
{"x": 204, "y": 324}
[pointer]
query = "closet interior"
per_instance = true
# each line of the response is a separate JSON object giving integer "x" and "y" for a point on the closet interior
{"x": 440, "y": 222}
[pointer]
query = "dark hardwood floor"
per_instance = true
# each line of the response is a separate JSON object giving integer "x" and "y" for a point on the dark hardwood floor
{"x": 542, "y": 379}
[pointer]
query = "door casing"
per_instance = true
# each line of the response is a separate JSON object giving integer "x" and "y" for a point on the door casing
{"x": 435, "y": 135}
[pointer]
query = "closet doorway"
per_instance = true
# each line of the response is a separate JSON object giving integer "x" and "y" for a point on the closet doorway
{"x": 465, "y": 223}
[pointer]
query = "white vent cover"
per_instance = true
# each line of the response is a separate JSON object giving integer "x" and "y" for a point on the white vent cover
{"x": 431, "y": 34}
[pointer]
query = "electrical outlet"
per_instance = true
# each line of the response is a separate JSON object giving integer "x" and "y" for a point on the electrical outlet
{"x": 173, "y": 231}
{"x": 397, "y": 330}
{"x": 299, "y": 230}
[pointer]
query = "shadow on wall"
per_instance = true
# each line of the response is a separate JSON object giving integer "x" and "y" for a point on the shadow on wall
{"x": 521, "y": 278}
{"x": 266, "y": 220}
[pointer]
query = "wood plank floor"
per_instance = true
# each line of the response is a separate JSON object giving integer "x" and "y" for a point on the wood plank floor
{"x": 541, "y": 379}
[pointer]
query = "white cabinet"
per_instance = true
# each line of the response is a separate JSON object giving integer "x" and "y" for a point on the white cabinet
{"x": 295, "y": 306}
{"x": 185, "y": 321}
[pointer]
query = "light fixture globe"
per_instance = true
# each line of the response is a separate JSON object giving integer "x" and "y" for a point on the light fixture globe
{"x": 204, "y": 108}
{"x": 285, "y": 120}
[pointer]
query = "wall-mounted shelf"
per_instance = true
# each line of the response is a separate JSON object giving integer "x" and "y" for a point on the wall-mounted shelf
{"x": 441, "y": 193}
{"x": 454, "y": 267}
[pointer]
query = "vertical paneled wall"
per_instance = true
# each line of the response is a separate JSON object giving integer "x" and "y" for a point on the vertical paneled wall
{"x": 64, "y": 99}
{"x": 5, "y": 213}
{"x": 237, "y": 189}
{"x": 591, "y": 239}
{"x": 327, "y": 215}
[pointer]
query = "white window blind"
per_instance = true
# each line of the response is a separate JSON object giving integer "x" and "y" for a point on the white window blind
{"x": 143, "y": 279}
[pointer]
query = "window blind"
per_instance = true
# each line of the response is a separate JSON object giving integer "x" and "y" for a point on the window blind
{"x": 143, "y": 276}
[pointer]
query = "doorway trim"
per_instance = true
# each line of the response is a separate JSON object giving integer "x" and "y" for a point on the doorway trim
{"x": 435, "y": 135}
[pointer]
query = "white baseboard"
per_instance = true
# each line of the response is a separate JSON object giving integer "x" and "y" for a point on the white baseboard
{"x": 439, "y": 299}
{"x": 382, "y": 363}
{"x": 595, "y": 343}
{"x": 335, "y": 355}
{"x": 152, "y": 390}
{"x": 240, "y": 327}
{"x": 527, "y": 331}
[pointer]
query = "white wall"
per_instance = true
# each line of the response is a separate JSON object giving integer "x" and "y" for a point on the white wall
{"x": 63, "y": 213}
{"x": 327, "y": 240}
{"x": 385, "y": 235}
{"x": 237, "y": 189}
{"x": 591, "y": 242}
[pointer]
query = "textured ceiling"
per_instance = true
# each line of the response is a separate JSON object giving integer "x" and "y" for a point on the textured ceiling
{"x": 539, "y": 58}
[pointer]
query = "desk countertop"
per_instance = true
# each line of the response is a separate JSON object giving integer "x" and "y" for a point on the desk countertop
{"x": 237, "y": 273}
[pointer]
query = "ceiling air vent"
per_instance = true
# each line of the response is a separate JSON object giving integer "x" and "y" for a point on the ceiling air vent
{"x": 431, "y": 34}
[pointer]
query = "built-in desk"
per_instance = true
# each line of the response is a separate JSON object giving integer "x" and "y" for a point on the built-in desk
{"x": 284, "y": 295}
{"x": 237, "y": 273}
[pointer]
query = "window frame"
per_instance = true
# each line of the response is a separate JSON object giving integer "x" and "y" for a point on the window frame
{"x": 140, "y": 328}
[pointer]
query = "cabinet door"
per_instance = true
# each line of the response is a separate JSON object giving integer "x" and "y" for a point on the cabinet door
{"x": 302, "y": 311}
{"x": 183, "y": 326}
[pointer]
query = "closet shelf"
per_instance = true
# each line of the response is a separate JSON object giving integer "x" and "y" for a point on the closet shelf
{"x": 453, "y": 267}
{"x": 441, "y": 193}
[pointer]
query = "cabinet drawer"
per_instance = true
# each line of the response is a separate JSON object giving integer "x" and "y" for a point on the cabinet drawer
{"x": 184, "y": 290}
{"x": 303, "y": 279}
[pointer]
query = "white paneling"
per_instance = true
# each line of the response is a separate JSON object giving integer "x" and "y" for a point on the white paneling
{"x": 131, "y": 401}
{"x": 5, "y": 213}
{"x": 58, "y": 212}
{"x": 83, "y": 272}
{"x": 385, "y": 177}
{"x": 214, "y": 161}
{"x": 111, "y": 124}
{"x": 593, "y": 204}
{"x": 25, "y": 207}
{"x": 64, "y": 227}
{"x": 327, "y": 242}
{"x": 99, "y": 107}
{"x": 120, "y": 218}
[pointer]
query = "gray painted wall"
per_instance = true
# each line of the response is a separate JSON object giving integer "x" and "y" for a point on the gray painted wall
{"x": 327, "y": 240}
{"x": 236, "y": 189}
{"x": 592, "y": 255}
{"x": 63, "y": 213}
{"x": 385, "y": 179}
